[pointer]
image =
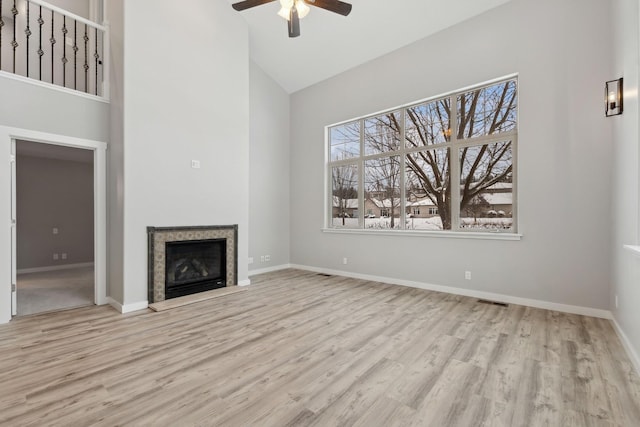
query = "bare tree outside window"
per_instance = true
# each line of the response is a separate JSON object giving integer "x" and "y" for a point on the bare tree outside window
{"x": 345, "y": 141}
{"x": 429, "y": 172}
{"x": 382, "y": 187}
{"x": 456, "y": 162}
{"x": 344, "y": 194}
{"x": 382, "y": 174}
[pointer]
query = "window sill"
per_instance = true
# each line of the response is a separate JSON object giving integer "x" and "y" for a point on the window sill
{"x": 439, "y": 234}
{"x": 633, "y": 249}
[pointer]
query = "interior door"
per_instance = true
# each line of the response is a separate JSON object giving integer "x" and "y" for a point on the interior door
{"x": 14, "y": 293}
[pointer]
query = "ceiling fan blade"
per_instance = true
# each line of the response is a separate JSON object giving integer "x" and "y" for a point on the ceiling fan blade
{"x": 294, "y": 23}
{"x": 242, "y": 5}
{"x": 335, "y": 6}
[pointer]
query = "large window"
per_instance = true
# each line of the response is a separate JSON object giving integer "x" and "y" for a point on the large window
{"x": 443, "y": 164}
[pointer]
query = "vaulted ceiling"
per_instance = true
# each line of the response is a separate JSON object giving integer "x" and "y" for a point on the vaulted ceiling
{"x": 331, "y": 44}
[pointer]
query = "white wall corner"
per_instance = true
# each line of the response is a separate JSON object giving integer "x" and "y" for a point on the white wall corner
{"x": 127, "y": 308}
{"x": 626, "y": 343}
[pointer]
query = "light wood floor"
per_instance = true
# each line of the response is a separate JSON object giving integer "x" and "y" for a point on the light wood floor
{"x": 298, "y": 348}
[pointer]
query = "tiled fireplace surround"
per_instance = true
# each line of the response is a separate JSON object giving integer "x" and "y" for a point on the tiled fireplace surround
{"x": 159, "y": 236}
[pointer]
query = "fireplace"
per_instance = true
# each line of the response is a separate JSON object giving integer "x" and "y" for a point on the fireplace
{"x": 188, "y": 260}
{"x": 194, "y": 266}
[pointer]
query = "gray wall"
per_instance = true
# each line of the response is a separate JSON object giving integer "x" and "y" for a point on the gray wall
{"x": 625, "y": 214}
{"x": 27, "y": 106}
{"x": 560, "y": 50}
{"x": 78, "y": 7}
{"x": 53, "y": 193}
{"x": 269, "y": 171}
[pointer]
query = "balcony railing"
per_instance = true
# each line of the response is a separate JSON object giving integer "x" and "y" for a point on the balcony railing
{"x": 43, "y": 42}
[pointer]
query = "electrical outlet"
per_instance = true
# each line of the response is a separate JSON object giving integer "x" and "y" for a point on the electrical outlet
{"x": 616, "y": 300}
{"x": 55, "y": 257}
{"x": 345, "y": 261}
{"x": 195, "y": 164}
{"x": 64, "y": 256}
{"x": 250, "y": 260}
{"x": 55, "y": 230}
{"x": 467, "y": 275}
{"x": 261, "y": 258}
{"x": 267, "y": 258}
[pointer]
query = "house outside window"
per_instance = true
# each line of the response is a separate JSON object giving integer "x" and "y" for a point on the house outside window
{"x": 451, "y": 156}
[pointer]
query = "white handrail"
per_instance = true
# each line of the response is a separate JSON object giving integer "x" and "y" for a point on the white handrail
{"x": 69, "y": 14}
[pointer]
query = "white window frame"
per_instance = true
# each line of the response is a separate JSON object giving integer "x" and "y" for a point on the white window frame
{"x": 453, "y": 145}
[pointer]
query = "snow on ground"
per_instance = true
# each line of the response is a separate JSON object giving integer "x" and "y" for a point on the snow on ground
{"x": 425, "y": 224}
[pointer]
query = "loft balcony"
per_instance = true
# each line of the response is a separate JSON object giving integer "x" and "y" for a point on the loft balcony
{"x": 44, "y": 44}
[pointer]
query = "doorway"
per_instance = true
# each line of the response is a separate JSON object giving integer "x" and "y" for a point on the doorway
{"x": 8, "y": 253}
{"x": 54, "y": 199}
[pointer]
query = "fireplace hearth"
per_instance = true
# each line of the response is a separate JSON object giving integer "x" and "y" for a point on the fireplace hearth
{"x": 188, "y": 260}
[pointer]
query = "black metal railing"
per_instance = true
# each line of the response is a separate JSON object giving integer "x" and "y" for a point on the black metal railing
{"x": 25, "y": 26}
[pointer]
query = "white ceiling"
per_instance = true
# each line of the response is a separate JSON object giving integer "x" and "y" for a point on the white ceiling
{"x": 331, "y": 43}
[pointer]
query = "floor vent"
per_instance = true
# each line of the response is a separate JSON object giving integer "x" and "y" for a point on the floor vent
{"x": 501, "y": 304}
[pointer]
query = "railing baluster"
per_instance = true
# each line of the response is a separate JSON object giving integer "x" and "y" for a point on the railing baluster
{"x": 96, "y": 55}
{"x": 28, "y": 33}
{"x": 53, "y": 42}
{"x": 86, "y": 59}
{"x": 64, "y": 51}
{"x": 14, "y": 43}
{"x": 40, "y": 51}
{"x": 75, "y": 55}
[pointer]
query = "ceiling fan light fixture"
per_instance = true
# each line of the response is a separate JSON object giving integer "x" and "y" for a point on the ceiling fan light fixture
{"x": 303, "y": 9}
{"x": 301, "y": 6}
{"x": 284, "y": 13}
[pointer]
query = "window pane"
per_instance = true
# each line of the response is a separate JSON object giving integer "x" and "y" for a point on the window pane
{"x": 382, "y": 204}
{"x": 488, "y": 110}
{"x": 486, "y": 187}
{"x": 428, "y": 124}
{"x": 428, "y": 187}
{"x": 345, "y": 196}
{"x": 382, "y": 133}
{"x": 345, "y": 141}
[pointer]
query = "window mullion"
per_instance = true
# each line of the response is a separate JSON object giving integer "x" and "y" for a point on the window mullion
{"x": 361, "y": 178}
{"x": 403, "y": 195}
{"x": 329, "y": 196}
{"x": 454, "y": 159}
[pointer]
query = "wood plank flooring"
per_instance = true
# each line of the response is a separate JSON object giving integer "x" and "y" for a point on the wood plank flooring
{"x": 301, "y": 349}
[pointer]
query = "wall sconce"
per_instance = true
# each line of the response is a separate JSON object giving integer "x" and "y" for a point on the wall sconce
{"x": 613, "y": 98}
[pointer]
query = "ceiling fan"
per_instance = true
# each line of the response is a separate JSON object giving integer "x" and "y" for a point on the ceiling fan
{"x": 294, "y": 10}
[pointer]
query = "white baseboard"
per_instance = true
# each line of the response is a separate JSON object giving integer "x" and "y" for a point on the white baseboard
{"x": 127, "y": 308}
{"x": 626, "y": 343}
{"x": 269, "y": 269}
{"x": 573, "y": 309}
{"x": 244, "y": 282}
{"x": 53, "y": 268}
